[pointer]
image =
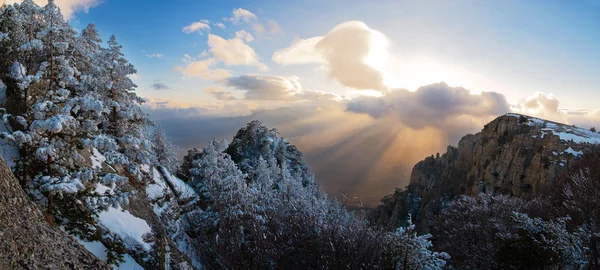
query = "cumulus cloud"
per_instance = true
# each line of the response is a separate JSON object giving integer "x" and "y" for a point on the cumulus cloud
{"x": 234, "y": 52}
{"x": 67, "y": 7}
{"x": 242, "y": 34}
{"x": 434, "y": 105}
{"x": 242, "y": 15}
{"x": 196, "y": 27}
{"x": 265, "y": 87}
{"x": 159, "y": 86}
{"x": 353, "y": 52}
{"x": 220, "y": 25}
{"x": 219, "y": 93}
{"x": 202, "y": 69}
{"x": 540, "y": 104}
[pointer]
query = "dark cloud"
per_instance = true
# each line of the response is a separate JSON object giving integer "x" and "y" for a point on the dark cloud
{"x": 160, "y": 86}
{"x": 264, "y": 87}
{"x": 434, "y": 105}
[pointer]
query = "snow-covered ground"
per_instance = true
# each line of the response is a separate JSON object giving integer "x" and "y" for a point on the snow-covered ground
{"x": 99, "y": 250}
{"x": 130, "y": 228}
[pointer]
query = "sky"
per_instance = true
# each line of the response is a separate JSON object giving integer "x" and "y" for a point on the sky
{"x": 365, "y": 88}
{"x": 516, "y": 48}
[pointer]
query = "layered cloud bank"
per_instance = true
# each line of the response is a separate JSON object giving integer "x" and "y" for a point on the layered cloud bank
{"x": 434, "y": 105}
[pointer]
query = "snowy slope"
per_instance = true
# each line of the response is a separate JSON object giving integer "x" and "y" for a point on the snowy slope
{"x": 564, "y": 132}
{"x": 130, "y": 228}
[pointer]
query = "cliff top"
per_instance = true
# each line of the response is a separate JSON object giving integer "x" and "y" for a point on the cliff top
{"x": 563, "y": 131}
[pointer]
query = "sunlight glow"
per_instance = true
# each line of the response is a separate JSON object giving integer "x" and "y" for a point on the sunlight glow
{"x": 378, "y": 55}
{"x": 419, "y": 71}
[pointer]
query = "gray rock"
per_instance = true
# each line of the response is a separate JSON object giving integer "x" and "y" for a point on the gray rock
{"x": 27, "y": 241}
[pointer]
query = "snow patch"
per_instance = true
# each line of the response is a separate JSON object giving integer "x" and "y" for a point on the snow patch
{"x": 130, "y": 228}
{"x": 95, "y": 247}
{"x": 573, "y": 152}
{"x": 100, "y": 251}
{"x": 157, "y": 189}
{"x": 128, "y": 264}
{"x": 183, "y": 190}
{"x": 145, "y": 168}
{"x": 101, "y": 189}
{"x": 97, "y": 159}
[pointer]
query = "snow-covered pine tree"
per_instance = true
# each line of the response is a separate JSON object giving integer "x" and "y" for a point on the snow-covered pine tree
{"x": 125, "y": 123}
{"x": 68, "y": 97}
{"x": 256, "y": 140}
{"x": 164, "y": 150}
{"x": 187, "y": 164}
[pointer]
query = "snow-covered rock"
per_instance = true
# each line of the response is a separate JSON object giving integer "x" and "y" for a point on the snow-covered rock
{"x": 130, "y": 228}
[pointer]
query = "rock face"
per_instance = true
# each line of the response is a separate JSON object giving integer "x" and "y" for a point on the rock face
{"x": 514, "y": 154}
{"x": 27, "y": 241}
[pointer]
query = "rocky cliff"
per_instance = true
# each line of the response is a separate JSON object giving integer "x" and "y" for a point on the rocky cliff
{"x": 514, "y": 154}
{"x": 28, "y": 241}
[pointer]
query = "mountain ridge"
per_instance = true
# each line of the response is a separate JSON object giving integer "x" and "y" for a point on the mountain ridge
{"x": 514, "y": 154}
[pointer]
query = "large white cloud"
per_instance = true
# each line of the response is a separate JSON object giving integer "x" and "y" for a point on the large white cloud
{"x": 234, "y": 52}
{"x": 67, "y": 7}
{"x": 353, "y": 52}
{"x": 265, "y": 87}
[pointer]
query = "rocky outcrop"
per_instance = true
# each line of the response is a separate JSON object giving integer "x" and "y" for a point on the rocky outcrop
{"x": 27, "y": 241}
{"x": 514, "y": 154}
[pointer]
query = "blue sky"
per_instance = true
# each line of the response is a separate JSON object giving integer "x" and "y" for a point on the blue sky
{"x": 515, "y": 48}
